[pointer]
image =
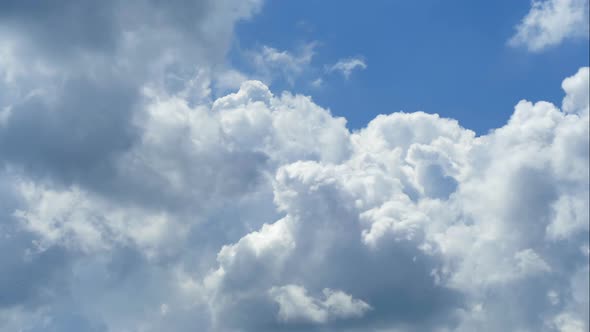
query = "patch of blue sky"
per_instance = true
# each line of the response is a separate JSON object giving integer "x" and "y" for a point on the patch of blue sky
{"x": 445, "y": 57}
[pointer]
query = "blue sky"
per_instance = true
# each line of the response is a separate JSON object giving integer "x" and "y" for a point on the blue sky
{"x": 445, "y": 57}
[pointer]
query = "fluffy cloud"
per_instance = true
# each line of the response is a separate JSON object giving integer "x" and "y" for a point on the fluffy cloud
{"x": 550, "y": 22}
{"x": 424, "y": 209}
{"x": 73, "y": 73}
{"x": 131, "y": 200}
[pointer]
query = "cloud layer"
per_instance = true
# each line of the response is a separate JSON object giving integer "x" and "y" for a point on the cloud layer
{"x": 131, "y": 200}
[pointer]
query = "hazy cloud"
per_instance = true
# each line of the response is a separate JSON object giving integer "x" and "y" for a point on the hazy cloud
{"x": 347, "y": 66}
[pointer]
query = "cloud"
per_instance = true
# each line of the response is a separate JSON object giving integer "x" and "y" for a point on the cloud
{"x": 131, "y": 199}
{"x": 550, "y": 22}
{"x": 295, "y": 304}
{"x": 317, "y": 83}
{"x": 377, "y": 228}
{"x": 76, "y": 71}
{"x": 347, "y": 66}
{"x": 270, "y": 62}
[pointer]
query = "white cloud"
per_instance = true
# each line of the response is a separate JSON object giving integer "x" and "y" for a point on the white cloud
{"x": 269, "y": 62}
{"x": 246, "y": 208}
{"x": 348, "y": 65}
{"x": 134, "y": 200}
{"x": 576, "y": 98}
{"x": 491, "y": 231}
{"x": 296, "y": 305}
{"x": 550, "y": 22}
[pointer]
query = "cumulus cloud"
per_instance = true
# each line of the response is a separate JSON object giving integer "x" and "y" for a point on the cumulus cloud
{"x": 550, "y": 22}
{"x": 347, "y": 66}
{"x": 133, "y": 200}
{"x": 477, "y": 232}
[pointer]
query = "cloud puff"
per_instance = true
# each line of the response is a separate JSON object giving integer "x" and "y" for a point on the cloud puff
{"x": 550, "y": 22}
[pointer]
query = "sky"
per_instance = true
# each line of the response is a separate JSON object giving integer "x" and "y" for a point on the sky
{"x": 268, "y": 166}
{"x": 450, "y": 58}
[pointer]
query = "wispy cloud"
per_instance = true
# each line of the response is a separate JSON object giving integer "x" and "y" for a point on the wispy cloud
{"x": 270, "y": 62}
{"x": 348, "y": 65}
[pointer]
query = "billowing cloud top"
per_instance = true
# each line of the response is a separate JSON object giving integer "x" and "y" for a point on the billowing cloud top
{"x": 131, "y": 200}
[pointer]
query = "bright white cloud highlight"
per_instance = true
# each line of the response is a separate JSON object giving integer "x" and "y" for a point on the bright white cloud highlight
{"x": 550, "y": 22}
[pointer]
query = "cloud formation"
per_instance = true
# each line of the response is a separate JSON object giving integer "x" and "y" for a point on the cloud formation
{"x": 295, "y": 304}
{"x": 550, "y": 22}
{"x": 132, "y": 200}
{"x": 270, "y": 62}
{"x": 347, "y": 66}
